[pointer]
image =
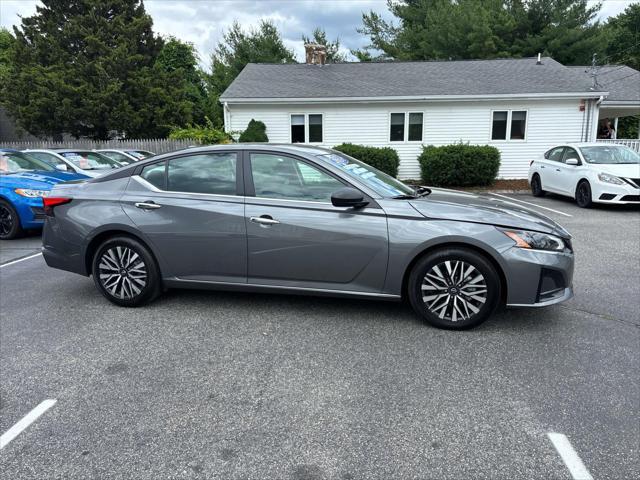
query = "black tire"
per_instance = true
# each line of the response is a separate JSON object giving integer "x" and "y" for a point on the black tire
{"x": 583, "y": 194}
{"x": 457, "y": 293}
{"x": 118, "y": 260}
{"x": 536, "y": 186}
{"x": 10, "y": 227}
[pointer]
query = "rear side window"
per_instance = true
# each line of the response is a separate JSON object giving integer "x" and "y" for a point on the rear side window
{"x": 555, "y": 154}
{"x": 212, "y": 173}
{"x": 155, "y": 174}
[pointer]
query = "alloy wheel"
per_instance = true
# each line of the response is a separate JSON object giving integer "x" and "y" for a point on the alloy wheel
{"x": 123, "y": 273}
{"x": 454, "y": 290}
{"x": 6, "y": 221}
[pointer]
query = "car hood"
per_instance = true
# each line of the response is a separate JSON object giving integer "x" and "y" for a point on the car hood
{"x": 39, "y": 180}
{"x": 628, "y": 170}
{"x": 469, "y": 207}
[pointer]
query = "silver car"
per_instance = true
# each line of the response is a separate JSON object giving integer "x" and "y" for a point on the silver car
{"x": 86, "y": 162}
{"x": 302, "y": 219}
{"x": 126, "y": 156}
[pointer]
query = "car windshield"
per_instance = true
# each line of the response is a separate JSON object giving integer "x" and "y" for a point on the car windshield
{"x": 383, "y": 184}
{"x": 13, "y": 162}
{"x": 90, "y": 160}
{"x": 609, "y": 154}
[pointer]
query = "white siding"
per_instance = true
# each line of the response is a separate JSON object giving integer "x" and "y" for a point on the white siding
{"x": 548, "y": 122}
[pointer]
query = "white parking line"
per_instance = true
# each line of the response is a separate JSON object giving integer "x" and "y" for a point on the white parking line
{"x": 20, "y": 260}
{"x": 27, "y": 420}
{"x": 569, "y": 457}
{"x": 534, "y": 204}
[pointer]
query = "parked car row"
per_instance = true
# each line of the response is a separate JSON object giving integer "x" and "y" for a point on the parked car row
{"x": 26, "y": 177}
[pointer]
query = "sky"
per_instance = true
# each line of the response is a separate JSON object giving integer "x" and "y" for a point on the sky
{"x": 203, "y": 22}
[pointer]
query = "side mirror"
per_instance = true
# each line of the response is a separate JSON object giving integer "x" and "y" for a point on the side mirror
{"x": 62, "y": 167}
{"x": 348, "y": 197}
{"x": 572, "y": 161}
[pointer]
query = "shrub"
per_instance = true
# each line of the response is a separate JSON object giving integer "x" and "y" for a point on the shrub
{"x": 385, "y": 158}
{"x": 204, "y": 135}
{"x": 256, "y": 132}
{"x": 459, "y": 165}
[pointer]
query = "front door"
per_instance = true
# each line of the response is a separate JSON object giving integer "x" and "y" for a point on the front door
{"x": 189, "y": 210}
{"x": 297, "y": 238}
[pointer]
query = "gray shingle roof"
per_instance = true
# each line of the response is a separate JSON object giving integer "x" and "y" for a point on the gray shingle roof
{"x": 622, "y": 82}
{"x": 395, "y": 79}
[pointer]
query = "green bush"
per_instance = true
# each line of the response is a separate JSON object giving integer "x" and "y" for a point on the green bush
{"x": 204, "y": 135}
{"x": 385, "y": 159}
{"x": 459, "y": 165}
{"x": 256, "y": 132}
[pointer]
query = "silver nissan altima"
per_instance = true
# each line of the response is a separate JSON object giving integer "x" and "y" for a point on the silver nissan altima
{"x": 301, "y": 219}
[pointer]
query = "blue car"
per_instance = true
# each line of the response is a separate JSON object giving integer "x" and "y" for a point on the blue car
{"x": 24, "y": 181}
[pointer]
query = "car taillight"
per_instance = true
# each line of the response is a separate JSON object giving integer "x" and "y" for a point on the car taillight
{"x": 50, "y": 202}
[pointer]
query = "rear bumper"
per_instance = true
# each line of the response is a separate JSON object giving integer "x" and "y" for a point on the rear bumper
{"x": 63, "y": 261}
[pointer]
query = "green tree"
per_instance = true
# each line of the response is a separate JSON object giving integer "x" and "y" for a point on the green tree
{"x": 235, "y": 51}
{"x": 623, "y": 37}
{"x": 88, "y": 68}
{"x": 180, "y": 60}
{"x": 333, "y": 48}
{"x": 465, "y": 29}
{"x": 256, "y": 132}
{"x": 7, "y": 42}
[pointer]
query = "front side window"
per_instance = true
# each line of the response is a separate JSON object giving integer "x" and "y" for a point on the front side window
{"x": 499, "y": 126}
{"x": 12, "y": 162}
{"x": 278, "y": 176}
{"x": 396, "y": 130}
{"x": 212, "y": 173}
{"x": 48, "y": 158}
{"x": 297, "y": 129}
{"x": 569, "y": 154}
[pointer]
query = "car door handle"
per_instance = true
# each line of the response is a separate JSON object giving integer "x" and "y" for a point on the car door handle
{"x": 150, "y": 205}
{"x": 558, "y": 170}
{"x": 264, "y": 220}
{"x": 541, "y": 166}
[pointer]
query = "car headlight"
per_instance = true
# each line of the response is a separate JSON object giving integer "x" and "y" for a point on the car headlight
{"x": 27, "y": 192}
{"x": 537, "y": 240}
{"x": 605, "y": 177}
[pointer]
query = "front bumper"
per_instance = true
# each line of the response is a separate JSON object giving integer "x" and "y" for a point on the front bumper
{"x": 602, "y": 192}
{"x": 30, "y": 211}
{"x": 538, "y": 278}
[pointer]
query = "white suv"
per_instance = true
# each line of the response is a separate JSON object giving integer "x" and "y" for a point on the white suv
{"x": 588, "y": 172}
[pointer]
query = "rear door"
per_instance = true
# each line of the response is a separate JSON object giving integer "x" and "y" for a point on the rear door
{"x": 567, "y": 175}
{"x": 550, "y": 168}
{"x": 297, "y": 238}
{"x": 190, "y": 207}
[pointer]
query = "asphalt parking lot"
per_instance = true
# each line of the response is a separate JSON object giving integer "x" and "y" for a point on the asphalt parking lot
{"x": 233, "y": 385}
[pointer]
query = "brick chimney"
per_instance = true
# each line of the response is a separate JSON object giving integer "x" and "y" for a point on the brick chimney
{"x": 316, "y": 54}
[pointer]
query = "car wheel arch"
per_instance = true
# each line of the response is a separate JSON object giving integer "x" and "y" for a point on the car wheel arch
{"x": 102, "y": 236}
{"x": 457, "y": 244}
{"x": 580, "y": 180}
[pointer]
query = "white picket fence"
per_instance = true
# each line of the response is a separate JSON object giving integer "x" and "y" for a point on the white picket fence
{"x": 633, "y": 144}
{"x": 155, "y": 145}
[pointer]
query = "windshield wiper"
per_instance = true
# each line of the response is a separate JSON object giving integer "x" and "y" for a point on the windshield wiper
{"x": 404, "y": 197}
{"x": 423, "y": 191}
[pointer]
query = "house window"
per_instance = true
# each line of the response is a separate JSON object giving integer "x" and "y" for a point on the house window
{"x": 396, "y": 131}
{"x": 306, "y": 128}
{"x": 415, "y": 127}
{"x": 315, "y": 128}
{"x": 297, "y": 129}
{"x": 499, "y": 127}
{"x": 518, "y": 124}
{"x": 509, "y": 124}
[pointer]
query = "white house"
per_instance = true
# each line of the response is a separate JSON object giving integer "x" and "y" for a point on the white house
{"x": 521, "y": 106}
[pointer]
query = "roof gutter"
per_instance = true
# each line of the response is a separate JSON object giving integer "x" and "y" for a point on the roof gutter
{"x": 413, "y": 98}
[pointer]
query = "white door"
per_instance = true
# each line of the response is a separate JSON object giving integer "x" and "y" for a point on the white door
{"x": 567, "y": 175}
{"x": 550, "y": 168}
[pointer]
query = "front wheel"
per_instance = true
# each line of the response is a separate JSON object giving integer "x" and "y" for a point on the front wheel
{"x": 583, "y": 194}
{"x": 10, "y": 227}
{"x": 454, "y": 288}
{"x": 125, "y": 272}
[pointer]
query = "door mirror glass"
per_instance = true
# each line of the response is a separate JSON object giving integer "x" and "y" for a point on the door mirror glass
{"x": 348, "y": 197}
{"x": 62, "y": 167}
{"x": 572, "y": 161}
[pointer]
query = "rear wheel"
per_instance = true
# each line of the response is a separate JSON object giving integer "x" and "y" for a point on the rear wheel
{"x": 10, "y": 227}
{"x": 125, "y": 272}
{"x": 454, "y": 288}
{"x": 583, "y": 194}
{"x": 536, "y": 186}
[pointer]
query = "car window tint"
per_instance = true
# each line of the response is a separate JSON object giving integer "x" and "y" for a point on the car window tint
{"x": 213, "y": 173}
{"x": 155, "y": 174}
{"x": 276, "y": 176}
{"x": 556, "y": 154}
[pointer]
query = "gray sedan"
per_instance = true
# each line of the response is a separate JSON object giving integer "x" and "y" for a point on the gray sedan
{"x": 301, "y": 219}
